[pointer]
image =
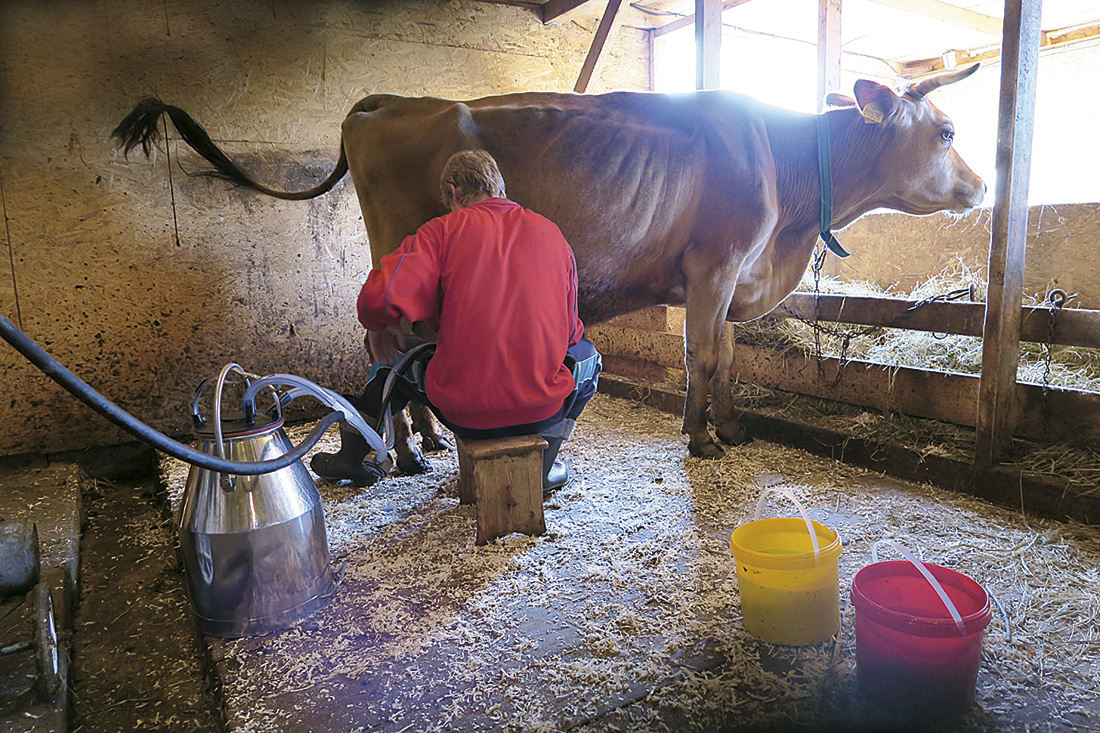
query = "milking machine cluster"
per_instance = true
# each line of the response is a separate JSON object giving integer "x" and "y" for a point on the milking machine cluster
{"x": 251, "y": 525}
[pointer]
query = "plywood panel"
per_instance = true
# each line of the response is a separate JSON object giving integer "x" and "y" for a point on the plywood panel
{"x": 144, "y": 281}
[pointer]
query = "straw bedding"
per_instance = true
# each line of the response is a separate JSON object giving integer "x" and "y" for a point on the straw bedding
{"x": 626, "y": 614}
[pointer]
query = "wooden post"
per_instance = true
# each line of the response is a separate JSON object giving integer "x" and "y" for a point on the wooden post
{"x": 651, "y": 45}
{"x": 828, "y": 49}
{"x": 708, "y": 43}
{"x": 605, "y": 36}
{"x": 997, "y": 398}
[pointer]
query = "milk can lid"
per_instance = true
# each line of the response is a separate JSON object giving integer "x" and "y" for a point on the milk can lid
{"x": 235, "y": 425}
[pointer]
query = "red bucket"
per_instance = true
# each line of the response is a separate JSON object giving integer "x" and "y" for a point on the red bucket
{"x": 912, "y": 654}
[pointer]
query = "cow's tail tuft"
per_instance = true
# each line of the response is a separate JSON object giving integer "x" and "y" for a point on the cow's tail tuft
{"x": 140, "y": 128}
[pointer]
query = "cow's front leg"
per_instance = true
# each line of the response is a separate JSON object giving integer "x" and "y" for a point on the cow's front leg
{"x": 723, "y": 413}
{"x": 708, "y": 298}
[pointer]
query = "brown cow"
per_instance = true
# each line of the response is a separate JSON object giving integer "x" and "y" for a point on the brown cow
{"x": 710, "y": 199}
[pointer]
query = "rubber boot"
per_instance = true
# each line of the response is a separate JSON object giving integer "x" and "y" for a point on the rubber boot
{"x": 349, "y": 463}
{"x": 555, "y": 473}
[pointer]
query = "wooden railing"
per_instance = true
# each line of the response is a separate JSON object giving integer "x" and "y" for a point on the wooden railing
{"x": 1049, "y": 413}
{"x": 649, "y": 343}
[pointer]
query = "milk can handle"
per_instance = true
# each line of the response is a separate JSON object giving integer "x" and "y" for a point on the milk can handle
{"x": 801, "y": 510}
{"x": 236, "y": 368}
{"x": 927, "y": 576}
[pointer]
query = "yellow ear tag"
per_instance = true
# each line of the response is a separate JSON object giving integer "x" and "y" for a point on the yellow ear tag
{"x": 872, "y": 113}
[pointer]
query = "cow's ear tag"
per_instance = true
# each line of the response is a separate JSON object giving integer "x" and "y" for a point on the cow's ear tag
{"x": 872, "y": 113}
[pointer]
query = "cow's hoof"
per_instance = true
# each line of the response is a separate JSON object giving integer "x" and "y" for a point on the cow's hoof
{"x": 740, "y": 436}
{"x": 433, "y": 443}
{"x": 706, "y": 450}
{"x": 413, "y": 464}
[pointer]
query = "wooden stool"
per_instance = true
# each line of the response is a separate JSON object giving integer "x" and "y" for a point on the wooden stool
{"x": 503, "y": 476}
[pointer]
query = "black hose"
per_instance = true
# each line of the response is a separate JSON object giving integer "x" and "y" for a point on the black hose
{"x": 56, "y": 371}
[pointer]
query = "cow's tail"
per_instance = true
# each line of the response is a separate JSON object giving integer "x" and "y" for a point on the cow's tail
{"x": 140, "y": 128}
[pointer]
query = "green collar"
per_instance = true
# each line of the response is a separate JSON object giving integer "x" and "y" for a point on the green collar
{"x": 824, "y": 174}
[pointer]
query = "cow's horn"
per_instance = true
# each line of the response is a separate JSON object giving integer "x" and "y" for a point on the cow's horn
{"x": 932, "y": 83}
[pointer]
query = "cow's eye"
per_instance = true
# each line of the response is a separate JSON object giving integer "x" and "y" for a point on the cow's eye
{"x": 948, "y": 135}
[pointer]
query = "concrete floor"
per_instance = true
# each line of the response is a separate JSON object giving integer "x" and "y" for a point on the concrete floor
{"x": 625, "y": 616}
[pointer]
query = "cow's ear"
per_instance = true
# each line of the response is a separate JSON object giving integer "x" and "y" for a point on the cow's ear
{"x": 875, "y": 101}
{"x": 836, "y": 99}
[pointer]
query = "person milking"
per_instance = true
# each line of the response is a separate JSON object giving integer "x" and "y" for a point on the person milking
{"x": 498, "y": 283}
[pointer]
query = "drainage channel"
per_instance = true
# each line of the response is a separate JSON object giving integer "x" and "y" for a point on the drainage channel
{"x": 138, "y": 662}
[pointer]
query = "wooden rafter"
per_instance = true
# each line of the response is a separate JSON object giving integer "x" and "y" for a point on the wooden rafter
{"x": 1048, "y": 40}
{"x": 690, "y": 19}
{"x": 555, "y": 8}
{"x": 605, "y": 36}
{"x": 948, "y": 14}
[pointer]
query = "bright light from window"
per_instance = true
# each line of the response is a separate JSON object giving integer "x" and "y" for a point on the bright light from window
{"x": 783, "y": 73}
{"x": 776, "y": 71}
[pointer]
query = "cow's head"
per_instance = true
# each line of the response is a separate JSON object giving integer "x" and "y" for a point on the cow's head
{"x": 917, "y": 170}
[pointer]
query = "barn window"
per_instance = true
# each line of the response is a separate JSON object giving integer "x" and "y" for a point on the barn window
{"x": 769, "y": 52}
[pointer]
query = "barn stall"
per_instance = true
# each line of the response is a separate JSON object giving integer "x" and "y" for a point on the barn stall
{"x": 627, "y": 613}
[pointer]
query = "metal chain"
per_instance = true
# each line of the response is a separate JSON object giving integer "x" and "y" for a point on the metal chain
{"x": 846, "y": 335}
{"x": 957, "y": 294}
{"x": 1056, "y": 299}
{"x": 819, "y": 262}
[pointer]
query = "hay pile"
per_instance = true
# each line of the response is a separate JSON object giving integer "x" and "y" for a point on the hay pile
{"x": 626, "y": 615}
{"x": 1069, "y": 367}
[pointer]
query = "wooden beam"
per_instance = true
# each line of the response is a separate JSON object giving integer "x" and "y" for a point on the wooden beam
{"x": 1050, "y": 39}
{"x": 605, "y": 36}
{"x": 556, "y": 8}
{"x": 1072, "y": 326}
{"x": 828, "y": 49}
{"x": 928, "y": 393}
{"x": 948, "y": 14}
{"x": 708, "y": 43}
{"x": 689, "y": 19}
{"x": 998, "y": 409}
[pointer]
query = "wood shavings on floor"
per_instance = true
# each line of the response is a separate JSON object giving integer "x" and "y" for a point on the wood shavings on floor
{"x": 626, "y": 614}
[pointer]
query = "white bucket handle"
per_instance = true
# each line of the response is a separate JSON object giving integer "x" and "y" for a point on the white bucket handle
{"x": 927, "y": 576}
{"x": 801, "y": 510}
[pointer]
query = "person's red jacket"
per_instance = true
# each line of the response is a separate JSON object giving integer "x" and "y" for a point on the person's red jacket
{"x": 499, "y": 284}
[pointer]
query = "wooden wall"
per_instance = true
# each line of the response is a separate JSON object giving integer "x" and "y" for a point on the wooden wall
{"x": 144, "y": 281}
{"x": 901, "y": 251}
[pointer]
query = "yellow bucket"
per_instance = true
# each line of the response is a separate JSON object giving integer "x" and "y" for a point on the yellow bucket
{"x": 788, "y": 578}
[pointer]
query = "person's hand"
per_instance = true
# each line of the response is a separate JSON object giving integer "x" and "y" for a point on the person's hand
{"x": 386, "y": 345}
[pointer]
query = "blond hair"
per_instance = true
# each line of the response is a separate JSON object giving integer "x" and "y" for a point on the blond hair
{"x": 471, "y": 172}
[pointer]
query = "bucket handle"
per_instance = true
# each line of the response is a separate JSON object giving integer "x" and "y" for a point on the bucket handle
{"x": 801, "y": 510}
{"x": 951, "y": 608}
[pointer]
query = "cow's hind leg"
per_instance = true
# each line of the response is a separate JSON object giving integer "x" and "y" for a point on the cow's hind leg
{"x": 423, "y": 422}
{"x": 723, "y": 413}
{"x": 409, "y": 458}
